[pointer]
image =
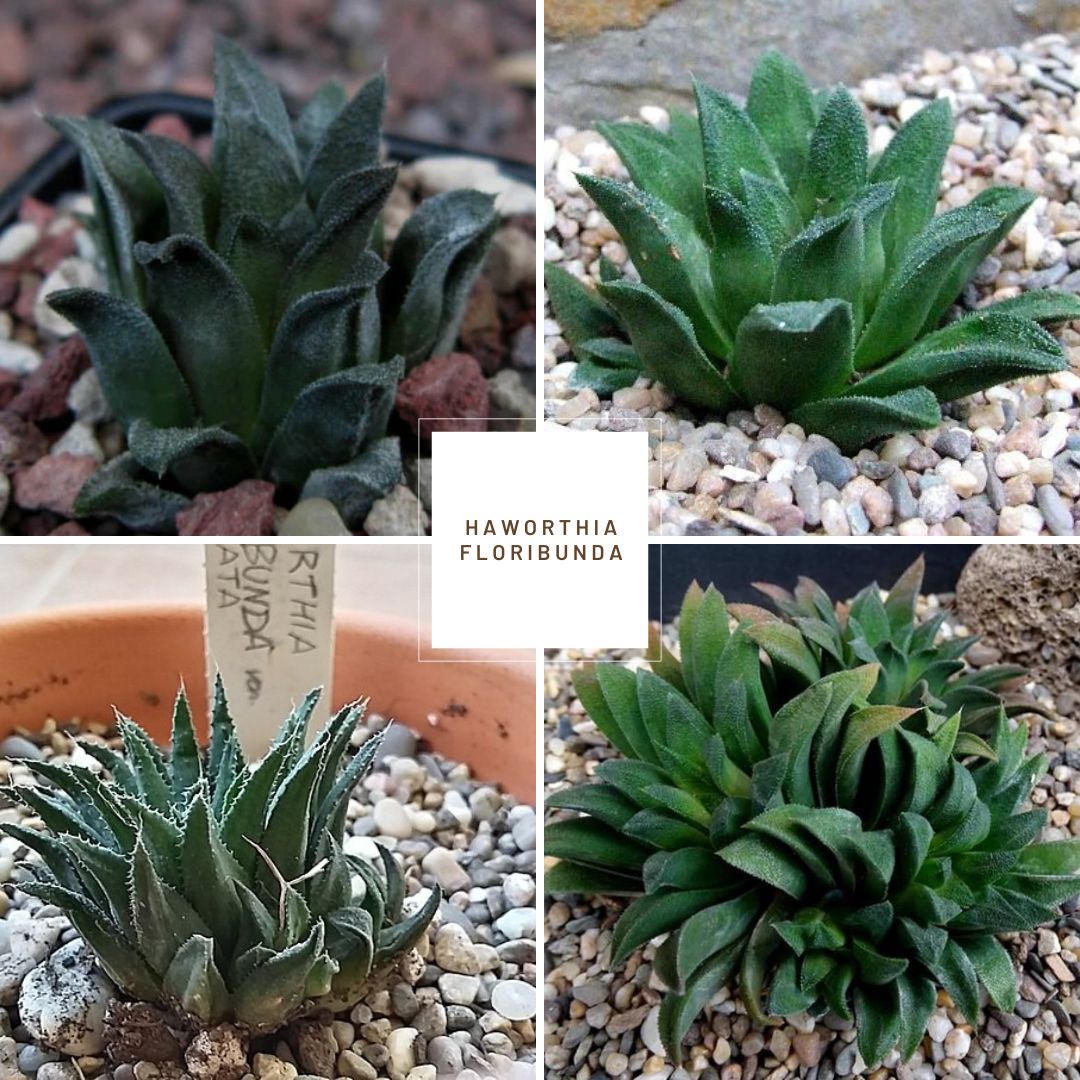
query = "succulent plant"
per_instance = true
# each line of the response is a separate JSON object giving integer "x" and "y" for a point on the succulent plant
{"x": 826, "y": 854}
{"x": 779, "y": 263}
{"x": 816, "y": 637}
{"x": 251, "y": 327}
{"x": 214, "y": 887}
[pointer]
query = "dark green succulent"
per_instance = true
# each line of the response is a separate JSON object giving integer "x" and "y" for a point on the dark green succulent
{"x": 251, "y": 327}
{"x": 214, "y": 887}
{"x": 781, "y": 263}
{"x": 826, "y": 852}
{"x": 916, "y": 669}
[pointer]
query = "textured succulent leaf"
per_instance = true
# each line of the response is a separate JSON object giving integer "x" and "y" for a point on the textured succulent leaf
{"x": 773, "y": 209}
{"x": 781, "y": 106}
{"x": 854, "y": 420}
{"x": 122, "y": 338}
{"x": 126, "y": 198}
{"x": 354, "y": 486}
{"x": 433, "y": 265}
{"x": 742, "y": 258}
{"x": 730, "y": 142}
{"x": 667, "y": 251}
{"x": 348, "y": 140}
{"x": 220, "y": 353}
{"x": 193, "y": 980}
{"x": 836, "y": 165}
{"x": 345, "y": 220}
{"x": 914, "y": 159}
{"x": 121, "y": 489}
{"x": 663, "y": 337}
{"x": 605, "y": 365}
{"x": 582, "y": 315}
{"x": 254, "y": 152}
{"x": 198, "y": 458}
{"x": 186, "y": 183}
{"x": 330, "y": 421}
{"x": 791, "y": 353}
{"x": 1042, "y": 305}
{"x": 973, "y": 354}
{"x": 316, "y": 116}
{"x": 654, "y": 162}
{"x": 258, "y": 259}
{"x": 567, "y": 877}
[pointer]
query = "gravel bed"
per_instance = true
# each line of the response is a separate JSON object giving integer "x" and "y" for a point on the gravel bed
{"x": 56, "y": 428}
{"x": 1004, "y": 462}
{"x": 603, "y": 1024}
{"x": 466, "y": 80}
{"x": 462, "y": 1004}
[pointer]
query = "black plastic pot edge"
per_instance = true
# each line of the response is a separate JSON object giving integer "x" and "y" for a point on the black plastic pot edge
{"x": 57, "y": 171}
{"x": 840, "y": 569}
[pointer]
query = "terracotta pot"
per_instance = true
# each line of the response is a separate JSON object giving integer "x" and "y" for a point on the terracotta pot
{"x": 81, "y": 663}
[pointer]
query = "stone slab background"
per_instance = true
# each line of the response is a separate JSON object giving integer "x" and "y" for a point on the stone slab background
{"x": 606, "y": 58}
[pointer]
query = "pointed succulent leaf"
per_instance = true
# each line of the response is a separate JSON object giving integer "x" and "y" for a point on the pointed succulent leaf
{"x": 254, "y": 151}
{"x": 667, "y": 251}
{"x": 653, "y": 160}
{"x": 185, "y": 181}
{"x": 354, "y": 486}
{"x": 194, "y": 981}
{"x": 121, "y": 338}
{"x": 970, "y": 355}
{"x": 316, "y": 116}
{"x": 196, "y": 458}
{"x": 345, "y": 220}
{"x": 742, "y": 258}
{"x": 220, "y": 353}
{"x": 331, "y": 421}
{"x": 581, "y": 314}
{"x": 433, "y": 266}
{"x": 349, "y": 140}
{"x": 664, "y": 339}
{"x": 731, "y": 142}
{"x": 782, "y": 108}
{"x": 126, "y": 197}
{"x": 836, "y": 165}
{"x": 854, "y": 421}
{"x": 911, "y": 293}
{"x": 914, "y": 159}
{"x": 121, "y": 489}
{"x": 605, "y": 365}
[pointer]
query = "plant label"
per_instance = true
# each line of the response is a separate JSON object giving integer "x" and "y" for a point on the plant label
{"x": 269, "y": 632}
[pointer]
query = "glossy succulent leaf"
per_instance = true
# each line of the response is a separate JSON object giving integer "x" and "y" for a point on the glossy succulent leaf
{"x": 780, "y": 204}
{"x": 797, "y": 804}
{"x": 169, "y": 879}
{"x": 275, "y": 244}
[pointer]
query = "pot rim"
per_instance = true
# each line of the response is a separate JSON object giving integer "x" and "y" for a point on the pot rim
{"x": 481, "y": 714}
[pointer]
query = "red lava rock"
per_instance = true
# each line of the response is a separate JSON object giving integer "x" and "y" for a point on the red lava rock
{"x": 21, "y": 443}
{"x": 171, "y": 126}
{"x": 52, "y": 482}
{"x": 14, "y": 57}
{"x": 70, "y": 528}
{"x": 451, "y": 386}
{"x": 44, "y": 391}
{"x": 244, "y": 510}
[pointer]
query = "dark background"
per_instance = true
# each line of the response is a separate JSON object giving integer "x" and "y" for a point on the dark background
{"x": 841, "y": 569}
{"x": 462, "y": 72}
